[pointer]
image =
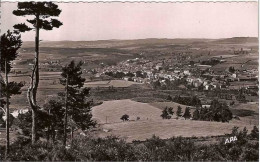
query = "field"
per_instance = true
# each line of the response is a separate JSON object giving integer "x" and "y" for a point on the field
{"x": 114, "y": 83}
{"x": 162, "y": 105}
{"x": 141, "y": 130}
{"x": 249, "y": 113}
{"x": 241, "y": 62}
{"x": 135, "y": 99}
{"x": 113, "y": 110}
{"x": 151, "y": 123}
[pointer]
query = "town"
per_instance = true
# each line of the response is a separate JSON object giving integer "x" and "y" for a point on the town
{"x": 184, "y": 73}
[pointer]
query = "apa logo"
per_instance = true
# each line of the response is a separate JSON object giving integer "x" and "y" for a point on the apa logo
{"x": 231, "y": 139}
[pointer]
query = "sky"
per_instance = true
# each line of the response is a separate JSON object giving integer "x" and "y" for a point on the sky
{"x": 103, "y": 21}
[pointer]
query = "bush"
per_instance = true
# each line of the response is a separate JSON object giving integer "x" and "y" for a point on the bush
{"x": 190, "y": 101}
{"x": 187, "y": 113}
{"x": 113, "y": 148}
{"x": 251, "y": 152}
{"x": 217, "y": 112}
{"x": 100, "y": 149}
{"x": 179, "y": 111}
{"x": 125, "y": 117}
{"x": 167, "y": 113}
{"x": 255, "y": 133}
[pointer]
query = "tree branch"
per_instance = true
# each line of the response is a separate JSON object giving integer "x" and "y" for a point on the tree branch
{"x": 3, "y": 109}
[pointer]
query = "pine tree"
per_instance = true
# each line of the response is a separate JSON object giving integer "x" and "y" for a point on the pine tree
{"x": 56, "y": 113}
{"x": 196, "y": 114}
{"x": 24, "y": 122}
{"x": 220, "y": 112}
{"x": 170, "y": 111}
{"x": 179, "y": 111}
{"x": 255, "y": 133}
{"x": 169, "y": 98}
{"x": 187, "y": 114}
{"x": 165, "y": 114}
{"x": 75, "y": 98}
{"x": 10, "y": 43}
{"x": 42, "y": 13}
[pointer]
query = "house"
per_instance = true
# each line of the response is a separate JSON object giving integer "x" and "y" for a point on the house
{"x": 126, "y": 78}
{"x": 205, "y": 106}
{"x": 189, "y": 79}
{"x": 205, "y": 82}
{"x": 159, "y": 66}
{"x": 234, "y": 75}
{"x": 186, "y": 72}
{"x": 215, "y": 85}
{"x": 196, "y": 83}
{"x": 245, "y": 78}
{"x": 20, "y": 111}
{"x": 176, "y": 71}
{"x": 208, "y": 87}
{"x": 252, "y": 87}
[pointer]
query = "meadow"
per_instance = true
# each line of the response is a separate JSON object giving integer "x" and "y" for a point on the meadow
{"x": 109, "y": 83}
{"x": 150, "y": 123}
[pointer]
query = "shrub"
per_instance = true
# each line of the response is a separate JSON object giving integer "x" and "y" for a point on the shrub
{"x": 100, "y": 149}
{"x": 167, "y": 113}
{"x": 112, "y": 148}
{"x": 251, "y": 153}
{"x": 187, "y": 113}
{"x": 255, "y": 133}
{"x": 179, "y": 111}
{"x": 125, "y": 117}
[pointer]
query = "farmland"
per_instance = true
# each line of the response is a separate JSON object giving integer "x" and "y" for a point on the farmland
{"x": 140, "y": 99}
{"x": 151, "y": 123}
{"x": 111, "y": 111}
{"x": 113, "y": 83}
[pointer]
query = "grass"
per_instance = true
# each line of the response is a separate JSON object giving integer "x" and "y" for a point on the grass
{"x": 242, "y": 112}
{"x": 135, "y": 92}
{"x": 151, "y": 122}
{"x": 113, "y": 110}
{"x": 162, "y": 105}
{"x": 248, "y": 112}
{"x": 148, "y": 99}
{"x": 141, "y": 130}
{"x": 114, "y": 83}
{"x": 48, "y": 86}
{"x": 254, "y": 106}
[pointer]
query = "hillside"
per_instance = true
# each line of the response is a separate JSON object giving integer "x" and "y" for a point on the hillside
{"x": 108, "y": 116}
{"x": 113, "y": 43}
{"x": 237, "y": 40}
{"x": 111, "y": 111}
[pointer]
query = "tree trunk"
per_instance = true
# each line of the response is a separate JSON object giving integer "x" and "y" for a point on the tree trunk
{"x": 7, "y": 113}
{"x": 49, "y": 129}
{"x": 66, "y": 112}
{"x": 71, "y": 134}
{"x": 36, "y": 82}
{"x": 53, "y": 134}
{"x": 34, "y": 118}
{"x": 32, "y": 90}
{"x": 48, "y": 134}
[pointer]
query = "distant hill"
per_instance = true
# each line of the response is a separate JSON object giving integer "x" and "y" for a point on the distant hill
{"x": 139, "y": 42}
{"x": 237, "y": 40}
{"x": 113, "y": 43}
